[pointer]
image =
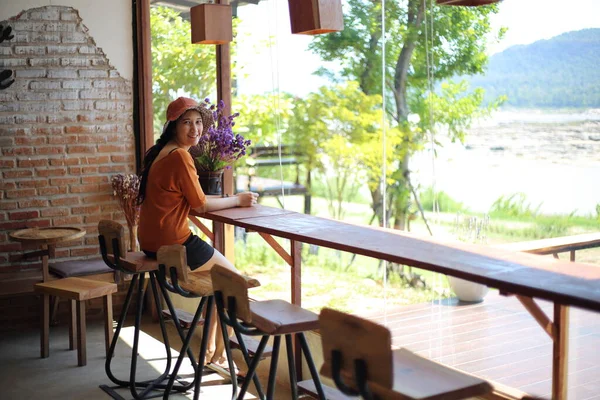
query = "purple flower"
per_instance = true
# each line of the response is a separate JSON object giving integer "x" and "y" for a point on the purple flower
{"x": 219, "y": 147}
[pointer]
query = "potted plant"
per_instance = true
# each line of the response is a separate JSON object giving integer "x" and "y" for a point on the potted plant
{"x": 218, "y": 149}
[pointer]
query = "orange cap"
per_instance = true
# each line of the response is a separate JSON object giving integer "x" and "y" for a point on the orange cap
{"x": 177, "y": 107}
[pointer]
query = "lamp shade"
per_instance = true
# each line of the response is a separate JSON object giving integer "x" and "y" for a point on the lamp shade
{"x": 313, "y": 17}
{"x": 211, "y": 24}
{"x": 466, "y": 3}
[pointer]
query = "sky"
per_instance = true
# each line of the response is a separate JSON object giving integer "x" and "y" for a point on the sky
{"x": 288, "y": 65}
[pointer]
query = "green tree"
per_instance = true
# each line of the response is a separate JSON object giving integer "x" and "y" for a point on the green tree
{"x": 178, "y": 66}
{"x": 336, "y": 129}
{"x": 456, "y": 46}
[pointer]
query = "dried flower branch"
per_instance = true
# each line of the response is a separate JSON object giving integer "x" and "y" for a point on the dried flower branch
{"x": 220, "y": 147}
{"x": 126, "y": 188}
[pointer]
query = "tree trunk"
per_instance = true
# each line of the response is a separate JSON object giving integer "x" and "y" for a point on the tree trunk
{"x": 416, "y": 14}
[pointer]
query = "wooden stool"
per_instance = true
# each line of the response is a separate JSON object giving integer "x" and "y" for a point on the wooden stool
{"x": 359, "y": 358}
{"x": 175, "y": 277}
{"x": 263, "y": 318}
{"x": 77, "y": 290}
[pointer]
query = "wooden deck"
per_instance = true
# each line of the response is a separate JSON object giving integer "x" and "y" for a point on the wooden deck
{"x": 497, "y": 339}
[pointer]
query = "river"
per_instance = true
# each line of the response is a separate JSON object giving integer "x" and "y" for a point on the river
{"x": 553, "y": 157}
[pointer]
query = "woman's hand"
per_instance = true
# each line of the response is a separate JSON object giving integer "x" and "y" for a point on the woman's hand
{"x": 247, "y": 199}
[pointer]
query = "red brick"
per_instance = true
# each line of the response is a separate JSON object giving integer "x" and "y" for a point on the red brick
{"x": 51, "y": 172}
{"x": 95, "y": 160}
{"x": 17, "y": 151}
{"x": 85, "y": 189}
{"x": 62, "y": 139}
{"x": 61, "y": 253}
{"x": 9, "y": 247}
{"x": 24, "y": 173}
{"x": 49, "y": 150}
{"x": 28, "y": 163}
{"x": 80, "y": 129}
{"x": 55, "y": 162}
{"x": 51, "y": 191}
{"x": 94, "y": 219}
{"x": 34, "y": 203}
{"x": 12, "y": 205}
{"x": 105, "y": 188}
{"x": 81, "y": 149}
{"x": 20, "y": 193}
{"x": 85, "y": 210}
{"x": 13, "y": 225}
{"x": 97, "y": 198}
{"x": 36, "y": 183}
{"x": 55, "y": 212}
{"x": 83, "y": 170}
{"x": 122, "y": 158}
{"x": 64, "y": 181}
{"x": 92, "y": 241}
{"x": 7, "y": 185}
{"x": 19, "y": 215}
{"x": 112, "y": 169}
{"x": 7, "y": 163}
{"x": 111, "y": 208}
{"x": 47, "y": 131}
{"x": 94, "y": 179}
{"x": 30, "y": 141}
{"x": 109, "y": 148}
{"x": 40, "y": 223}
{"x": 72, "y": 220}
{"x": 65, "y": 201}
{"x": 86, "y": 251}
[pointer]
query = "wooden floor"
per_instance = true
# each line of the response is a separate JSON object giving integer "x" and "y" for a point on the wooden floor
{"x": 497, "y": 339}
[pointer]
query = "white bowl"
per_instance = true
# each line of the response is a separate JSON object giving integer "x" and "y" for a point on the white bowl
{"x": 466, "y": 290}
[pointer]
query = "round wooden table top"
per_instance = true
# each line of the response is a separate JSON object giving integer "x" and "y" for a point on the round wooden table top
{"x": 48, "y": 235}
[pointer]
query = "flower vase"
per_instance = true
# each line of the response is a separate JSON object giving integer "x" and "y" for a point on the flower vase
{"x": 211, "y": 182}
{"x": 133, "y": 243}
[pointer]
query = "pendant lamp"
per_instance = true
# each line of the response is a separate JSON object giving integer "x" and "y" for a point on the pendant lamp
{"x": 313, "y": 17}
{"x": 211, "y": 24}
{"x": 467, "y": 3}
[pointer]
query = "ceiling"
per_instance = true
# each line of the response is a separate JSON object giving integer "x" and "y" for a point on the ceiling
{"x": 184, "y": 6}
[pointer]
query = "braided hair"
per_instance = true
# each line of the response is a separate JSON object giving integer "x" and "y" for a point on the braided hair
{"x": 167, "y": 135}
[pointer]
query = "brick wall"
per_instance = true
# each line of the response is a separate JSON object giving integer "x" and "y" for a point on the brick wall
{"x": 65, "y": 128}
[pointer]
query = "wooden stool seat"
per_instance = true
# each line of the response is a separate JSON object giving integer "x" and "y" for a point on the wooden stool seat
{"x": 416, "y": 377}
{"x": 358, "y": 356}
{"x": 278, "y": 317}
{"x": 268, "y": 318}
{"x": 79, "y": 268}
{"x": 77, "y": 290}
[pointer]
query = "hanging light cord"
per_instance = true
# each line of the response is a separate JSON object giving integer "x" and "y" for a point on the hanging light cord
{"x": 430, "y": 87}
{"x": 384, "y": 152}
{"x": 275, "y": 90}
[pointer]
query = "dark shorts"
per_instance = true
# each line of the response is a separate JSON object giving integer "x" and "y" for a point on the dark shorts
{"x": 197, "y": 250}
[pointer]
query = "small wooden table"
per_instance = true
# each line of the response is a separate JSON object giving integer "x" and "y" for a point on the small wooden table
{"x": 46, "y": 239}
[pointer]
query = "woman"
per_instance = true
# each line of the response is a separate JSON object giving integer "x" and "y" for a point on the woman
{"x": 169, "y": 189}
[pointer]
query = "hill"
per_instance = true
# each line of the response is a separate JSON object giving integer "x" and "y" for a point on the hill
{"x": 563, "y": 71}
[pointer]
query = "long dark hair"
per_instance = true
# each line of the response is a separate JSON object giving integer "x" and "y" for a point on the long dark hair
{"x": 151, "y": 154}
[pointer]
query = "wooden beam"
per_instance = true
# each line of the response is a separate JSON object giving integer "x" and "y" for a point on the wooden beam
{"x": 560, "y": 352}
{"x": 537, "y": 313}
{"x": 223, "y": 58}
{"x": 203, "y": 228}
{"x": 278, "y": 248}
{"x": 143, "y": 80}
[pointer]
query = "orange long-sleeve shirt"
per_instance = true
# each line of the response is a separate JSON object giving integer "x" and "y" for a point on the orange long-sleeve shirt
{"x": 171, "y": 191}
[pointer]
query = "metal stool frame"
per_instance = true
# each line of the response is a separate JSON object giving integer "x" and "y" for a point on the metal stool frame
{"x": 242, "y": 328}
{"x": 139, "y": 278}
